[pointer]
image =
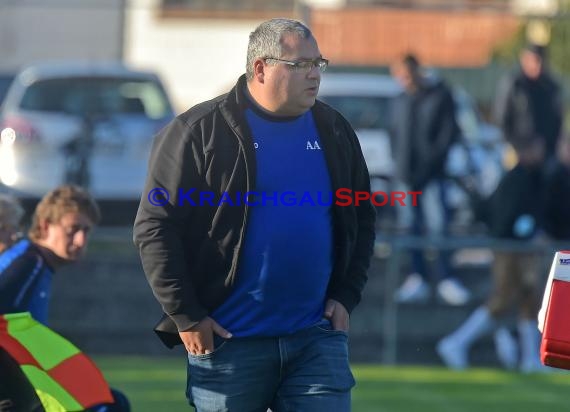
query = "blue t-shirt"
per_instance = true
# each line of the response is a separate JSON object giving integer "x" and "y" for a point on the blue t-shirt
{"x": 25, "y": 281}
{"x": 286, "y": 258}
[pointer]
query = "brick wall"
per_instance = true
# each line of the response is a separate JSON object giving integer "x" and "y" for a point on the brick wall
{"x": 375, "y": 36}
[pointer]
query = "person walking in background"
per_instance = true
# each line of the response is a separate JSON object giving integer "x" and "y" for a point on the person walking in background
{"x": 423, "y": 130}
{"x": 528, "y": 107}
{"x": 529, "y": 102}
{"x": 11, "y": 213}
{"x": 58, "y": 236}
{"x": 513, "y": 212}
{"x": 260, "y": 293}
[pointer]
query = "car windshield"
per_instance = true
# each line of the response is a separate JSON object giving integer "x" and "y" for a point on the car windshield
{"x": 97, "y": 96}
{"x": 363, "y": 112}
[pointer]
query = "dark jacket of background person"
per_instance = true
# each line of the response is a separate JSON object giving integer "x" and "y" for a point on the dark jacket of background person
{"x": 557, "y": 201}
{"x": 210, "y": 148}
{"x": 526, "y": 108}
{"x": 518, "y": 195}
{"x": 423, "y": 129}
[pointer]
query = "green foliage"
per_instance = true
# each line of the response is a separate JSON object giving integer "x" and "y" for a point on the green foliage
{"x": 558, "y": 50}
{"x": 507, "y": 52}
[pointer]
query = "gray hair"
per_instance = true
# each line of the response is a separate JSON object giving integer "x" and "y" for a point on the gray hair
{"x": 265, "y": 40}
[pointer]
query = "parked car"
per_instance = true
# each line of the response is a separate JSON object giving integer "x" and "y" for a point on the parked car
{"x": 479, "y": 155}
{"x": 365, "y": 100}
{"x": 85, "y": 123}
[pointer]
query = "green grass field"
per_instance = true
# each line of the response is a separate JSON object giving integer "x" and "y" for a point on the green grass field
{"x": 157, "y": 384}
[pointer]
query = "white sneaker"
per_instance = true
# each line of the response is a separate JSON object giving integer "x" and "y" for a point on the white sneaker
{"x": 507, "y": 348}
{"x": 413, "y": 290}
{"x": 452, "y": 292}
{"x": 452, "y": 354}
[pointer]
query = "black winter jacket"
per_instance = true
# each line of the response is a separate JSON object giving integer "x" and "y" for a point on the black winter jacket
{"x": 557, "y": 200}
{"x": 519, "y": 193}
{"x": 526, "y": 109}
{"x": 190, "y": 253}
{"x": 422, "y": 130}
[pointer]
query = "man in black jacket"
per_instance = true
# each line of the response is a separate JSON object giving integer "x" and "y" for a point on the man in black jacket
{"x": 256, "y": 266}
{"x": 423, "y": 129}
{"x": 529, "y": 103}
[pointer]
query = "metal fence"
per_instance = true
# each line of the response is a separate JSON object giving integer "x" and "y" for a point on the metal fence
{"x": 397, "y": 246}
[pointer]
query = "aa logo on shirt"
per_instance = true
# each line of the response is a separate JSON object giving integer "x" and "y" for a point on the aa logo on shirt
{"x": 314, "y": 145}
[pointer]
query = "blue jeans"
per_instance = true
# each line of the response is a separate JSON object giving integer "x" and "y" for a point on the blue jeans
{"x": 432, "y": 217}
{"x": 307, "y": 371}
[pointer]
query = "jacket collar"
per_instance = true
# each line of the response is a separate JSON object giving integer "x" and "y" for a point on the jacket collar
{"x": 233, "y": 109}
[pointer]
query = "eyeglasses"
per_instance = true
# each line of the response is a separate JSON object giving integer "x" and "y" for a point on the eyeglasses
{"x": 303, "y": 65}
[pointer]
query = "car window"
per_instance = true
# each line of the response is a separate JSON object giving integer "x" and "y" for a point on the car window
{"x": 97, "y": 96}
{"x": 363, "y": 112}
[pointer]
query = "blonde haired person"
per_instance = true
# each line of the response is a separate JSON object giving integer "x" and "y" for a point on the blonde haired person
{"x": 58, "y": 235}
